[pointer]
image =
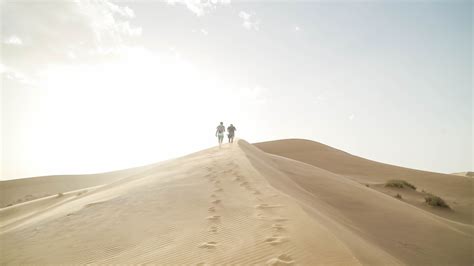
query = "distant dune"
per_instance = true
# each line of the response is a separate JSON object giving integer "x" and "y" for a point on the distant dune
{"x": 287, "y": 202}
{"x": 468, "y": 174}
{"x": 458, "y": 190}
{"x": 16, "y": 191}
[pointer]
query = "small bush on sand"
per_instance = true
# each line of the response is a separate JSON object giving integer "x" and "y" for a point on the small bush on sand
{"x": 60, "y": 194}
{"x": 399, "y": 184}
{"x": 435, "y": 201}
{"x": 398, "y": 196}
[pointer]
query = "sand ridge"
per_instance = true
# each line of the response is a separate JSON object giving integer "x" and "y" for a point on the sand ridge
{"x": 216, "y": 209}
{"x": 458, "y": 191}
{"x": 362, "y": 216}
{"x": 231, "y": 205}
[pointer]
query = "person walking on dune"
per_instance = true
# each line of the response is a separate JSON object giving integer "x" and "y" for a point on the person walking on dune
{"x": 231, "y": 132}
{"x": 220, "y": 133}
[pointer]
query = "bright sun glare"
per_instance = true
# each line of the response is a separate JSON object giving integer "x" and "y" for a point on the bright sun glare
{"x": 123, "y": 107}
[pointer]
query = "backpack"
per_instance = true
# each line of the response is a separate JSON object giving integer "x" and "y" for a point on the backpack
{"x": 220, "y": 129}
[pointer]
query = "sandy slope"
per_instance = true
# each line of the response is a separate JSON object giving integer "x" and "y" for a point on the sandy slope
{"x": 458, "y": 191}
{"x": 370, "y": 222}
{"x": 209, "y": 207}
{"x": 234, "y": 205}
{"x": 468, "y": 174}
{"x": 16, "y": 191}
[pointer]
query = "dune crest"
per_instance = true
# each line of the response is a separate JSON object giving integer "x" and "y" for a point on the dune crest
{"x": 458, "y": 191}
{"x": 231, "y": 205}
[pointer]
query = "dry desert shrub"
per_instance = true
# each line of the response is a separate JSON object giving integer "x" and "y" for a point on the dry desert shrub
{"x": 397, "y": 183}
{"x": 435, "y": 201}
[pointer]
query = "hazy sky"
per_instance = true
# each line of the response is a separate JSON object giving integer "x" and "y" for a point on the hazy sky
{"x": 92, "y": 86}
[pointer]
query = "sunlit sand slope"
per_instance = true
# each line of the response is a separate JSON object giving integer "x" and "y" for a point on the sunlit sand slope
{"x": 17, "y": 191}
{"x": 231, "y": 205}
{"x": 211, "y": 207}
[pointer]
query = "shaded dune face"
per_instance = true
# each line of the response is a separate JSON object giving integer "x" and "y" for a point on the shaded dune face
{"x": 232, "y": 205}
{"x": 458, "y": 191}
{"x": 363, "y": 215}
{"x": 343, "y": 163}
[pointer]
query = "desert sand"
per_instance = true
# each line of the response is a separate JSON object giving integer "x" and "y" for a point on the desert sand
{"x": 21, "y": 190}
{"x": 287, "y": 202}
{"x": 468, "y": 174}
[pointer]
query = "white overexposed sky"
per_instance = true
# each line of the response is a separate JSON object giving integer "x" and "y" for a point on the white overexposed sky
{"x": 96, "y": 85}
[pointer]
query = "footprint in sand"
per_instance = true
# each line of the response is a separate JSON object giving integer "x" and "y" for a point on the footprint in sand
{"x": 216, "y": 201}
{"x": 260, "y": 216}
{"x": 267, "y": 206}
{"x": 217, "y": 182}
{"x": 212, "y": 229}
{"x": 211, "y": 209}
{"x": 95, "y": 203}
{"x": 246, "y": 185}
{"x": 210, "y": 244}
{"x": 214, "y": 218}
{"x": 256, "y": 192}
{"x": 281, "y": 260}
{"x": 278, "y": 227}
{"x": 213, "y": 196}
{"x": 237, "y": 179}
{"x": 218, "y": 190}
{"x": 280, "y": 219}
{"x": 275, "y": 240}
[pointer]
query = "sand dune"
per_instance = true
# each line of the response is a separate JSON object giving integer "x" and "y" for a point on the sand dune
{"x": 234, "y": 205}
{"x": 368, "y": 220}
{"x": 458, "y": 191}
{"x": 16, "y": 191}
{"x": 468, "y": 174}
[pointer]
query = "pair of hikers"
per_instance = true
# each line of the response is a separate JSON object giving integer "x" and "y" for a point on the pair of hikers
{"x": 221, "y": 130}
